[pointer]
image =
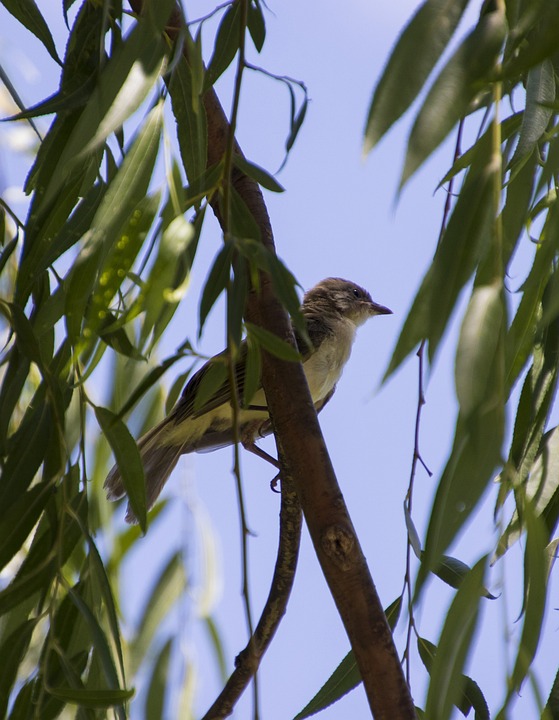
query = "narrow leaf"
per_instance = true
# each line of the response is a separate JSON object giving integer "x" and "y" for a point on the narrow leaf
{"x": 406, "y": 71}
{"x": 456, "y": 86}
{"x": 454, "y": 645}
{"x": 128, "y": 460}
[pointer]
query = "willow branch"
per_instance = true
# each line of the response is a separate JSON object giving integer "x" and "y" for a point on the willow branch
{"x": 307, "y": 461}
{"x": 248, "y": 661}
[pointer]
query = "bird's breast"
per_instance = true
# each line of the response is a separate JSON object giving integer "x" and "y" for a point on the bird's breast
{"x": 325, "y": 366}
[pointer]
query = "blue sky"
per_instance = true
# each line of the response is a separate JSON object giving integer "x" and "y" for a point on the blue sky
{"x": 338, "y": 216}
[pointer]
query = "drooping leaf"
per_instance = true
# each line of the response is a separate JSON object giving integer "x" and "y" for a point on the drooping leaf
{"x": 167, "y": 589}
{"x": 190, "y": 117}
{"x": 540, "y": 93}
{"x": 128, "y": 460}
{"x": 273, "y": 344}
{"x": 446, "y": 686}
{"x": 477, "y": 346}
{"x": 216, "y": 282}
{"x": 29, "y": 15}
{"x": 262, "y": 177}
{"x": 118, "y": 204}
{"x": 454, "y": 89}
{"x": 406, "y": 71}
{"x": 22, "y": 516}
{"x": 346, "y": 676}
{"x": 256, "y": 24}
{"x": 226, "y": 45}
{"x": 158, "y": 682}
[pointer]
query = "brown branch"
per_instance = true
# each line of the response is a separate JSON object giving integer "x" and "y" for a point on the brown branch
{"x": 306, "y": 456}
{"x": 248, "y": 661}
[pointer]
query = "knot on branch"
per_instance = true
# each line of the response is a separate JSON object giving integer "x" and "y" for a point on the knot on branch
{"x": 338, "y": 543}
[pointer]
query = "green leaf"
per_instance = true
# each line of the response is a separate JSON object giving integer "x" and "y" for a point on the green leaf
{"x": 12, "y": 652}
{"x": 155, "y": 699}
{"x": 535, "y": 584}
{"x": 166, "y": 590}
{"x": 449, "y": 98}
{"x": 99, "y": 640}
{"x": 227, "y": 42}
{"x": 273, "y": 344}
{"x": 118, "y": 262}
{"x": 536, "y": 37}
{"x": 216, "y": 281}
{"x": 190, "y": 117}
{"x": 346, "y": 676}
{"x": 29, "y": 15}
{"x": 466, "y": 238}
{"x": 540, "y": 490}
{"x": 540, "y": 92}
{"x": 118, "y": 204}
{"x": 551, "y": 710}
{"x": 122, "y": 86}
{"x": 256, "y": 24}
{"x": 257, "y": 173}
{"x": 475, "y": 453}
{"x": 471, "y": 696}
{"x": 413, "y": 537}
{"x": 128, "y": 460}
{"x": 20, "y": 518}
{"x": 406, "y": 71}
{"x": 297, "y": 120}
{"x": 453, "y": 571}
{"x": 446, "y": 684}
{"x": 91, "y": 698}
{"x": 521, "y": 335}
{"x": 168, "y": 277}
{"x": 148, "y": 381}
{"x": 213, "y": 378}
{"x": 477, "y": 346}
{"x": 253, "y": 370}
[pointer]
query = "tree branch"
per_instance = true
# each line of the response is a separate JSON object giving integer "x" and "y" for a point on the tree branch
{"x": 248, "y": 660}
{"x": 306, "y": 456}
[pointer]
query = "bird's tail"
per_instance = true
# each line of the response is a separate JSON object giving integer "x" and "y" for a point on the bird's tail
{"x": 158, "y": 461}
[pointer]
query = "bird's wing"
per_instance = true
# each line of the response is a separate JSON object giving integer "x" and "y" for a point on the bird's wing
{"x": 185, "y": 406}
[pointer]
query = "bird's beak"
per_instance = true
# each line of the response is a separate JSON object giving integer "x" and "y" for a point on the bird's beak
{"x": 377, "y": 309}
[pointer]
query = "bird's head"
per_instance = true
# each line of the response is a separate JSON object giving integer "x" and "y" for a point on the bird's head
{"x": 335, "y": 296}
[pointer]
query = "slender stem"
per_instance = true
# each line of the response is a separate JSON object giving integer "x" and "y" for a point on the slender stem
{"x": 233, "y": 350}
{"x": 407, "y": 589}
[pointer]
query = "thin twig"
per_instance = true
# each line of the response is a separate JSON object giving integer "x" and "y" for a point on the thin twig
{"x": 407, "y": 589}
{"x": 249, "y": 659}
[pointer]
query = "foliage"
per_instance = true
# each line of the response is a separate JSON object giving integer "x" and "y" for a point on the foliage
{"x": 93, "y": 276}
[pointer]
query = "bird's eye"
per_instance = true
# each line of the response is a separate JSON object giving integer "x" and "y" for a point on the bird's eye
{"x": 356, "y": 292}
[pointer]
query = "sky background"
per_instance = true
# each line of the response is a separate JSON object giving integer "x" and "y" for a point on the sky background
{"x": 340, "y": 217}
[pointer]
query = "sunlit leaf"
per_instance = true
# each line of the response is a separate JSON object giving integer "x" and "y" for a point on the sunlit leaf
{"x": 406, "y": 71}
{"x": 477, "y": 346}
{"x": 454, "y": 89}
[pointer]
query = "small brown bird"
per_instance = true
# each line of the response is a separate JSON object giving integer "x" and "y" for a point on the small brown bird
{"x": 333, "y": 310}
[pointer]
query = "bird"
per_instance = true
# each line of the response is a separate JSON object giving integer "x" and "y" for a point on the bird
{"x": 332, "y": 310}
